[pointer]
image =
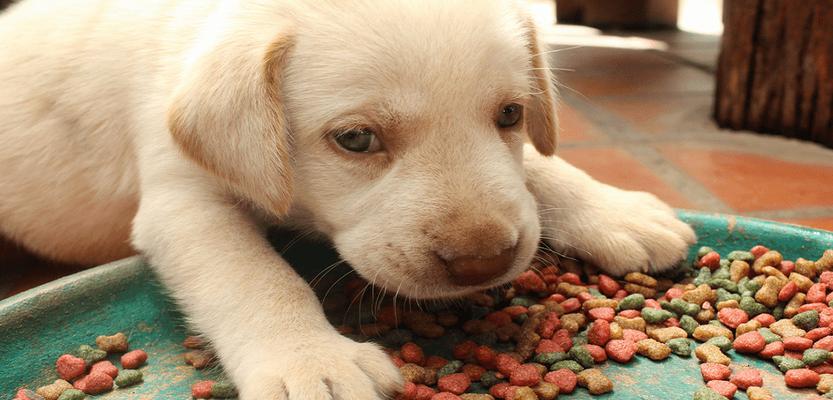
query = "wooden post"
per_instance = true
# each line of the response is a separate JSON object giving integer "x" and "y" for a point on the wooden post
{"x": 775, "y": 71}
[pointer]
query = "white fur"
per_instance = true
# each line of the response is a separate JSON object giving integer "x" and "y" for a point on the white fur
{"x": 187, "y": 124}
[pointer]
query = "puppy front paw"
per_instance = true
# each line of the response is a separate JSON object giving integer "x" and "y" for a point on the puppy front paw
{"x": 320, "y": 367}
{"x": 620, "y": 231}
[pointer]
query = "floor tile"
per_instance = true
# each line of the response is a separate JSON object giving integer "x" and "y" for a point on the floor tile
{"x": 663, "y": 114}
{"x": 618, "y": 168}
{"x": 574, "y": 126}
{"x": 749, "y": 182}
{"x": 675, "y": 79}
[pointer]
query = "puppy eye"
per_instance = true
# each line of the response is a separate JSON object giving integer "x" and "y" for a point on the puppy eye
{"x": 359, "y": 141}
{"x": 509, "y": 115}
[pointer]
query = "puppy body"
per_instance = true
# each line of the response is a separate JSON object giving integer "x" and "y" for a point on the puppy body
{"x": 179, "y": 127}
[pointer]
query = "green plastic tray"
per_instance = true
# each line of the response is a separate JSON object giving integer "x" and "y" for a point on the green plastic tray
{"x": 39, "y": 325}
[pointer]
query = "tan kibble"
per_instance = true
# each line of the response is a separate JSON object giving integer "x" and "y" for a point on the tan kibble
{"x": 476, "y": 396}
{"x": 448, "y": 319}
{"x": 570, "y": 290}
{"x": 786, "y": 329}
{"x": 595, "y": 381}
{"x": 801, "y": 281}
{"x": 653, "y": 349}
{"x": 711, "y": 354}
{"x": 768, "y": 294}
{"x": 636, "y": 323}
{"x": 641, "y": 279}
{"x": 771, "y": 258}
{"x": 772, "y": 271}
{"x": 794, "y": 304}
{"x": 413, "y": 373}
{"x": 643, "y": 290}
{"x": 616, "y": 331}
{"x": 825, "y": 385}
{"x": 374, "y": 329}
{"x": 825, "y": 263}
{"x": 53, "y": 391}
{"x": 705, "y": 315}
{"x": 700, "y": 295}
{"x": 112, "y": 344}
{"x": 664, "y": 284}
{"x": 665, "y": 334}
{"x": 758, "y": 393}
{"x": 525, "y": 393}
{"x": 599, "y": 303}
{"x": 545, "y": 391}
{"x": 481, "y": 299}
{"x": 573, "y": 322}
{"x": 727, "y": 304}
{"x": 478, "y": 326}
{"x": 752, "y": 325}
{"x": 806, "y": 268}
{"x": 738, "y": 270}
{"x": 508, "y": 331}
{"x": 708, "y": 331}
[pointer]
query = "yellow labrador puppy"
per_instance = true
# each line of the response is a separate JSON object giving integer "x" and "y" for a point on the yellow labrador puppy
{"x": 394, "y": 128}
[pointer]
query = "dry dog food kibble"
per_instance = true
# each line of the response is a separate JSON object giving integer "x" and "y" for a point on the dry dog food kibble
{"x": 53, "y": 391}
{"x": 94, "y": 383}
{"x": 129, "y": 377}
{"x": 134, "y": 359}
{"x": 72, "y": 394}
{"x": 112, "y": 344}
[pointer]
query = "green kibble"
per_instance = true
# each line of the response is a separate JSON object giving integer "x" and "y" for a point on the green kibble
{"x": 741, "y": 255}
{"x": 753, "y": 286}
{"x": 632, "y": 302}
{"x": 550, "y": 358}
{"x": 682, "y": 307}
{"x": 703, "y": 251}
{"x": 721, "y": 273}
{"x": 806, "y": 320}
{"x": 596, "y": 293}
{"x": 223, "y": 390}
{"x": 703, "y": 276}
{"x": 582, "y": 355}
{"x": 722, "y": 342}
{"x": 521, "y": 318}
{"x": 787, "y": 363}
{"x": 485, "y": 338}
{"x": 705, "y": 393}
{"x": 523, "y": 301}
{"x": 489, "y": 378}
{"x": 723, "y": 284}
{"x": 769, "y": 336}
{"x": 680, "y": 346}
{"x": 688, "y": 324}
{"x": 449, "y": 368}
{"x": 128, "y": 377}
{"x": 91, "y": 355}
{"x": 813, "y": 357}
{"x": 569, "y": 364}
{"x": 725, "y": 295}
{"x": 778, "y": 311}
{"x": 654, "y": 316}
{"x": 72, "y": 394}
{"x": 752, "y": 307}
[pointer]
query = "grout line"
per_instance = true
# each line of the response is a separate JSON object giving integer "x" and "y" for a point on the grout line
{"x": 621, "y": 134}
{"x": 795, "y": 213}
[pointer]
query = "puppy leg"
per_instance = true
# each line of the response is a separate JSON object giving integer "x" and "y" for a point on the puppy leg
{"x": 265, "y": 321}
{"x": 620, "y": 231}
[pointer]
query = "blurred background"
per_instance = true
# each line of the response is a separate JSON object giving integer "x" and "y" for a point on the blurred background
{"x": 721, "y": 106}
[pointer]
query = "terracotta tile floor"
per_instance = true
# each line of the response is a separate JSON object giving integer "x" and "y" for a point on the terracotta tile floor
{"x": 640, "y": 119}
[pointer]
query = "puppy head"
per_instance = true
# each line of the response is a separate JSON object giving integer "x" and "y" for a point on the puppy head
{"x": 407, "y": 122}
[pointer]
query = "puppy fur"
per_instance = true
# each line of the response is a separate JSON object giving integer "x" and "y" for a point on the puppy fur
{"x": 180, "y": 128}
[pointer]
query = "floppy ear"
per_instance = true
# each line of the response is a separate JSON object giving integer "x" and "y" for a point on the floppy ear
{"x": 541, "y": 119}
{"x": 227, "y": 115}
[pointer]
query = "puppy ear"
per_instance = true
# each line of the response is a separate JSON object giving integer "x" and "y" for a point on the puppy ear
{"x": 541, "y": 119}
{"x": 227, "y": 115}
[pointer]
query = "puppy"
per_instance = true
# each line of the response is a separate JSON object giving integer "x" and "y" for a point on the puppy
{"x": 393, "y": 128}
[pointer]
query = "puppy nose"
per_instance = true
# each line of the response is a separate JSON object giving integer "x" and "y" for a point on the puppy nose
{"x": 473, "y": 270}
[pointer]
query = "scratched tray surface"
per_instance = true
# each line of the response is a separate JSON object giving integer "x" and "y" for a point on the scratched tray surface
{"x": 39, "y": 325}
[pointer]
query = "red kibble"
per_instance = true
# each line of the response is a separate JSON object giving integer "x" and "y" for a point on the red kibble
{"x": 599, "y": 333}
{"x": 499, "y": 390}
{"x": 584, "y": 296}
{"x": 571, "y": 305}
{"x": 826, "y": 316}
{"x": 824, "y": 343}
{"x": 621, "y": 294}
{"x": 464, "y": 350}
{"x": 651, "y": 303}
{"x": 674, "y": 293}
{"x": 563, "y": 338}
{"x": 765, "y": 319}
{"x": 572, "y": 278}
{"x": 714, "y": 371}
{"x": 485, "y": 356}
{"x": 818, "y": 333}
{"x": 723, "y": 388}
{"x": 816, "y": 294}
{"x": 608, "y": 286}
{"x": 747, "y": 378}
{"x": 506, "y": 364}
{"x": 26, "y": 394}
{"x": 732, "y": 317}
{"x": 397, "y": 361}
{"x": 812, "y": 306}
{"x": 531, "y": 281}
{"x": 499, "y": 318}
{"x": 557, "y": 297}
{"x": 633, "y": 335}
{"x": 772, "y": 349}
{"x": 547, "y": 329}
{"x": 435, "y": 362}
{"x": 454, "y": 383}
{"x": 473, "y": 371}
{"x": 597, "y": 352}
{"x": 445, "y": 396}
{"x": 94, "y": 383}
{"x": 603, "y": 313}
{"x": 788, "y": 291}
{"x": 548, "y": 346}
{"x": 787, "y": 267}
{"x": 424, "y": 393}
{"x": 525, "y": 375}
{"x": 710, "y": 260}
{"x": 563, "y": 378}
{"x": 515, "y": 311}
{"x": 105, "y": 367}
{"x": 202, "y": 389}
{"x": 70, "y": 367}
{"x": 133, "y": 359}
{"x": 620, "y": 350}
{"x": 749, "y": 342}
{"x": 630, "y": 313}
{"x": 408, "y": 392}
{"x": 826, "y": 278}
{"x": 758, "y": 251}
{"x": 797, "y": 343}
{"x": 823, "y": 368}
{"x": 671, "y": 322}
{"x": 801, "y": 378}
{"x": 794, "y": 354}
{"x": 412, "y": 353}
